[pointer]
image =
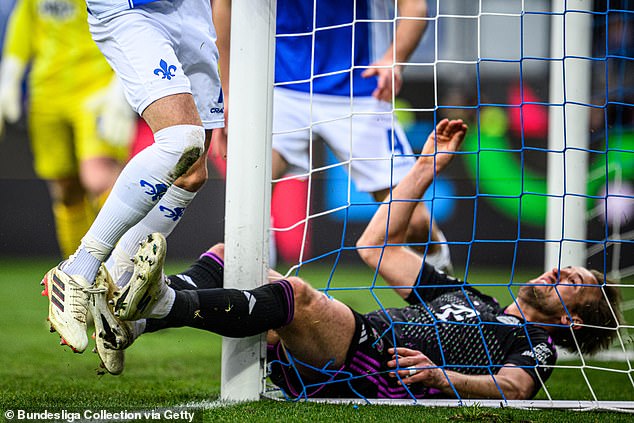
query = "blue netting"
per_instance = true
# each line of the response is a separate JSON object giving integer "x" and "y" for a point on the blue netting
{"x": 503, "y": 161}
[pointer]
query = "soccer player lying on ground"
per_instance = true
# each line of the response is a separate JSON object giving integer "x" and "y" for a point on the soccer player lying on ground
{"x": 485, "y": 351}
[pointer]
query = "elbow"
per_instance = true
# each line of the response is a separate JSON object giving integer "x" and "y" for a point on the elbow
{"x": 368, "y": 252}
{"x": 418, "y": 9}
{"x": 423, "y": 10}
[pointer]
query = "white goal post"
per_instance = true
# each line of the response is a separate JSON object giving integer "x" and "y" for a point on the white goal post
{"x": 248, "y": 190}
{"x": 568, "y": 132}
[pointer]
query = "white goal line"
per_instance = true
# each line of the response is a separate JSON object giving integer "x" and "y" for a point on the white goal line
{"x": 621, "y": 406}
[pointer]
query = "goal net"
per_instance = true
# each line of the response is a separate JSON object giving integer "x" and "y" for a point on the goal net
{"x": 545, "y": 178}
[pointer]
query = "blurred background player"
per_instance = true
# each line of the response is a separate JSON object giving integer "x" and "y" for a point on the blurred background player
{"x": 353, "y": 60}
{"x": 79, "y": 122}
{"x": 165, "y": 57}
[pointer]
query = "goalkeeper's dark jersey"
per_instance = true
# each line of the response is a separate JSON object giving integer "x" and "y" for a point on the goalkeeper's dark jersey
{"x": 460, "y": 328}
{"x": 456, "y": 326}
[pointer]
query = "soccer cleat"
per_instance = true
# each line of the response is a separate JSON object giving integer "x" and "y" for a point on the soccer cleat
{"x": 148, "y": 285}
{"x": 68, "y": 306}
{"x": 111, "y": 334}
{"x": 112, "y": 361}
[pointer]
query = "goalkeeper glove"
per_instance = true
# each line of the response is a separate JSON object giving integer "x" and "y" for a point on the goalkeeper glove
{"x": 116, "y": 121}
{"x": 11, "y": 73}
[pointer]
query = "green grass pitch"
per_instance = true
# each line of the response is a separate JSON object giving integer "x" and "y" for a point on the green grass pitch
{"x": 182, "y": 366}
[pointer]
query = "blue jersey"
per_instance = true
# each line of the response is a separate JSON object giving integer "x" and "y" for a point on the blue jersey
{"x": 345, "y": 43}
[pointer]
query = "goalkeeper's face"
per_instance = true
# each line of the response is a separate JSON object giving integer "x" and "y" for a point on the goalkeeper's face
{"x": 550, "y": 291}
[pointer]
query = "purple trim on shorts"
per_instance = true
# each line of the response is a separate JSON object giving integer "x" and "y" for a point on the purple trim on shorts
{"x": 363, "y": 365}
{"x": 368, "y": 359}
{"x": 374, "y": 375}
{"x": 433, "y": 391}
{"x": 283, "y": 368}
{"x": 383, "y": 389}
{"x": 214, "y": 257}
{"x": 290, "y": 300}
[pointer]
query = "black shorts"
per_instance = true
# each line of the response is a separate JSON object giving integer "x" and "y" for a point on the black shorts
{"x": 364, "y": 374}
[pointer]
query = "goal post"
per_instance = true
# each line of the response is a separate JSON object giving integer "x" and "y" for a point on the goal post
{"x": 248, "y": 189}
{"x": 569, "y": 132}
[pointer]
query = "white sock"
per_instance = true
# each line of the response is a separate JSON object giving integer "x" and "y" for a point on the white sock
{"x": 82, "y": 263}
{"x": 162, "y": 218}
{"x": 141, "y": 184}
{"x": 138, "y": 327}
{"x": 164, "y": 305}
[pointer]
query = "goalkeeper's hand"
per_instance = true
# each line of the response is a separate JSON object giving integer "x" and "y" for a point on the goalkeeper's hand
{"x": 11, "y": 73}
{"x": 116, "y": 121}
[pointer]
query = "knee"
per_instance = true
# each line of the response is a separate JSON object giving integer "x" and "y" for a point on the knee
{"x": 195, "y": 177}
{"x": 184, "y": 142}
{"x": 219, "y": 250}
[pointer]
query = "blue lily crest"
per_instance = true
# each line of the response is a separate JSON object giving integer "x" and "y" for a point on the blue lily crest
{"x": 173, "y": 214}
{"x": 156, "y": 191}
{"x": 165, "y": 71}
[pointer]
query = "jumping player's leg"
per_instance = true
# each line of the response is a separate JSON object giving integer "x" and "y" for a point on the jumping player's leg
{"x": 201, "y": 71}
{"x": 157, "y": 87}
{"x": 143, "y": 56}
{"x": 162, "y": 218}
{"x": 172, "y": 81}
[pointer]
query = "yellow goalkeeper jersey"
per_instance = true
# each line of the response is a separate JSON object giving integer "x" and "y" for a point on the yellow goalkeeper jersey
{"x": 53, "y": 36}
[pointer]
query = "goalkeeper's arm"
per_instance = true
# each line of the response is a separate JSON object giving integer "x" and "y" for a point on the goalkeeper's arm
{"x": 381, "y": 244}
{"x": 11, "y": 73}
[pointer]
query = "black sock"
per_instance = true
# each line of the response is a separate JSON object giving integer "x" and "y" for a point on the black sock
{"x": 206, "y": 272}
{"x": 231, "y": 312}
{"x": 185, "y": 304}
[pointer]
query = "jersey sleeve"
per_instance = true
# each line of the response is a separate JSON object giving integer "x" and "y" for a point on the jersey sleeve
{"x": 535, "y": 357}
{"x": 18, "y": 40}
{"x": 432, "y": 283}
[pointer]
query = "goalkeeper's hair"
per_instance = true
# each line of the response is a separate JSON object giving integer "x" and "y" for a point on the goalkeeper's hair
{"x": 601, "y": 318}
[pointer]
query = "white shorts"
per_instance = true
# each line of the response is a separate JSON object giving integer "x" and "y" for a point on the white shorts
{"x": 365, "y": 135}
{"x": 163, "y": 48}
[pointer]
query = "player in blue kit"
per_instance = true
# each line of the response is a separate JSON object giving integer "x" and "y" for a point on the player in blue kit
{"x": 336, "y": 72}
{"x": 341, "y": 81}
{"x": 485, "y": 350}
{"x": 164, "y": 53}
